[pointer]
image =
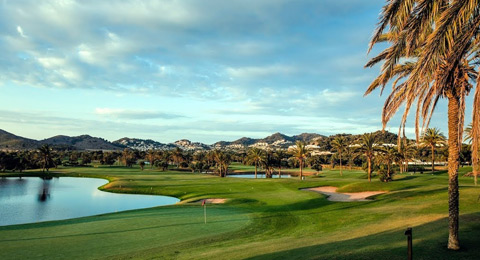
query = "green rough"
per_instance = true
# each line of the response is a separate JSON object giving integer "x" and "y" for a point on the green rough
{"x": 263, "y": 219}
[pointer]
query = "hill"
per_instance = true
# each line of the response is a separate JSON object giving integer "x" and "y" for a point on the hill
{"x": 81, "y": 142}
{"x": 9, "y": 141}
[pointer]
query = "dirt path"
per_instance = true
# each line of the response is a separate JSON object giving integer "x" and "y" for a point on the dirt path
{"x": 345, "y": 197}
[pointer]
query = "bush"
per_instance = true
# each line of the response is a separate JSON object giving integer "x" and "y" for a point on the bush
{"x": 416, "y": 168}
{"x": 317, "y": 167}
{"x": 384, "y": 174}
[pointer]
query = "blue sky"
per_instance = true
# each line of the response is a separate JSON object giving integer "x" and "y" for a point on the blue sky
{"x": 203, "y": 70}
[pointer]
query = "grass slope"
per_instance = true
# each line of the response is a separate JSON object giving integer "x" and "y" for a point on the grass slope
{"x": 263, "y": 219}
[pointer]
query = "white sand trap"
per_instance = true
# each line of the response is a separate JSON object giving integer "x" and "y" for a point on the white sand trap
{"x": 345, "y": 197}
{"x": 213, "y": 201}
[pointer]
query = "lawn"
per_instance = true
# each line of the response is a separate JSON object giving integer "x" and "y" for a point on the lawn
{"x": 263, "y": 219}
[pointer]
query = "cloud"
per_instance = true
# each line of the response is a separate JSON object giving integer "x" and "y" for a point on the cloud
{"x": 192, "y": 47}
{"x": 20, "y": 31}
{"x": 260, "y": 71}
{"x": 133, "y": 114}
{"x": 239, "y": 61}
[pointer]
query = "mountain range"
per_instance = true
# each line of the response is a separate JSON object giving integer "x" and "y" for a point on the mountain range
{"x": 9, "y": 141}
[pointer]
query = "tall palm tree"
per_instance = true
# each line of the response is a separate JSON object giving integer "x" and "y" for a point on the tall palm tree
{"x": 177, "y": 156}
{"x": 431, "y": 46}
{"x": 280, "y": 154}
{"x": 407, "y": 151}
{"x": 340, "y": 145}
{"x": 46, "y": 153}
{"x": 433, "y": 138}
{"x": 388, "y": 156}
{"x": 269, "y": 163}
{"x": 469, "y": 136}
{"x": 255, "y": 156}
{"x": 367, "y": 148}
{"x": 151, "y": 156}
{"x": 222, "y": 160}
{"x": 301, "y": 152}
{"x": 350, "y": 154}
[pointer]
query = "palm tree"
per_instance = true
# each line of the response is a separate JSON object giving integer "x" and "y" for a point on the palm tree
{"x": 388, "y": 156}
{"x": 300, "y": 153}
{"x": 432, "y": 138}
{"x": 279, "y": 156}
{"x": 350, "y": 154}
{"x": 469, "y": 136}
{"x": 151, "y": 156}
{"x": 255, "y": 156}
{"x": 340, "y": 145}
{"x": 407, "y": 151}
{"x": 431, "y": 46}
{"x": 367, "y": 148}
{"x": 177, "y": 156}
{"x": 223, "y": 160}
{"x": 46, "y": 153}
{"x": 269, "y": 163}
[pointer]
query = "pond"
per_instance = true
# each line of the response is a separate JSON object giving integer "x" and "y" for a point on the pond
{"x": 34, "y": 199}
{"x": 259, "y": 176}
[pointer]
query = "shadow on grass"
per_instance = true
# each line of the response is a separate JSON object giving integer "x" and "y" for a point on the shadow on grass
{"x": 429, "y": 242}
{"x": 407, "y": 177}
{"x": 404, "y": 194}
{"x": 190, "y": 224}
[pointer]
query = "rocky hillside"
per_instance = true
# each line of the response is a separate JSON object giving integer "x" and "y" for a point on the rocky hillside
{"x": 277, "y": 140}
{"x": 142, "y": 144}
{"x": 9, "y": 141}
{"x": 82, "y": 142}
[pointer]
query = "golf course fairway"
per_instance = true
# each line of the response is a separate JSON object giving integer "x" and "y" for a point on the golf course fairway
{"x": 261, "y": 219}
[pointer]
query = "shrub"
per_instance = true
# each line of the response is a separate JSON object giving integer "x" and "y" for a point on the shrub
{"x": 384, "y": 174}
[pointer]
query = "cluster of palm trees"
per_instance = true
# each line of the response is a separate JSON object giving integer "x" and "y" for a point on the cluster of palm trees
{"x": 271, "y": 159}
{"x": 432, "y": 53}
{"x": 22, "y": 160}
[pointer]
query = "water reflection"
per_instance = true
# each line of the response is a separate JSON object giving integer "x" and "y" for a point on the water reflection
{"x": 44, "y": 193}
{"x": 35, "y": 199}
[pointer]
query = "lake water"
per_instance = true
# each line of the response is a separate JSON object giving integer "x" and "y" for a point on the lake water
{"x": 33, "y": 199}
{"x": 259, "y": 176}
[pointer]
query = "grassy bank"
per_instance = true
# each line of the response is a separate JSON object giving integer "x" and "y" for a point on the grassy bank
{"x": 263, "y": 219}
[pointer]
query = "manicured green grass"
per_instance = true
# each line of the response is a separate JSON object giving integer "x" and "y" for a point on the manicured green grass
{"x": 263, "y": 219}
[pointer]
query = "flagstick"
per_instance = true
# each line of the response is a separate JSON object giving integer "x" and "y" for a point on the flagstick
{"x": 205, "y": 212}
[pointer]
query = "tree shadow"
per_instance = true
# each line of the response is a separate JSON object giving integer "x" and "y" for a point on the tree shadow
{"x": 429, "y": 242}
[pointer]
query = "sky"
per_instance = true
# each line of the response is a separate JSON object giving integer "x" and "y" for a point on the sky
{"x": 205, "y": 70}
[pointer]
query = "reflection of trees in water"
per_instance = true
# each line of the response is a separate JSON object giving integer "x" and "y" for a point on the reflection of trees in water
{"x": 19, "y": 188}
{"x": 44, "y": 193}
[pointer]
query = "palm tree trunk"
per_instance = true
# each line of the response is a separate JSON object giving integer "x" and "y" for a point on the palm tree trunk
{"x": 301, "y": 169}
{"x": 369, "y": 160}
{"x": 341, "y": 165}
{"x": 433, "y": 157}
{"x": 388, "y": 172}
{"x": 280, "y": 172}
{"x": 255, "y": 170}
{"x": 453, "y": 153}
{"x": 475, "y": 171}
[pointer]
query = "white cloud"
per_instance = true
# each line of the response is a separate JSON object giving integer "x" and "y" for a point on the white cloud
{"x": 134, "y": 114}
{"x": 260, "y": 71}
{"x": 20, "y": 31}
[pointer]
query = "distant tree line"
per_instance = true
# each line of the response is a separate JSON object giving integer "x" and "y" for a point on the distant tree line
{"x": 366, "y": 152}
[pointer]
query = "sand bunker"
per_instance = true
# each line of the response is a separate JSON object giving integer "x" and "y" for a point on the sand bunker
{"x": 335, "y": 196}
{"x": 212, "y": 201}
